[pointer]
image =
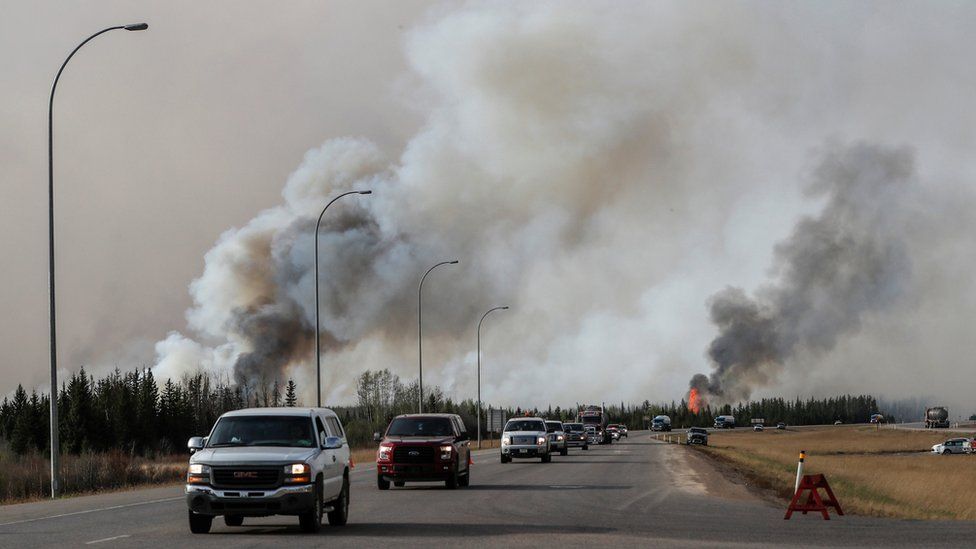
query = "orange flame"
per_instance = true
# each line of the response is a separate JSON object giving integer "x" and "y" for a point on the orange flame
{"x": 694, "y": 401}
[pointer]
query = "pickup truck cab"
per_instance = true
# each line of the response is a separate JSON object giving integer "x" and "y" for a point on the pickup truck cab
{"x": 423, "y": 448}
{"x": 269, "y": 461}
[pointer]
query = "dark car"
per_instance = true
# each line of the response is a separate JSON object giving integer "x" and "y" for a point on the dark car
{"x": 576, "y": 436}
{"x": 697, "y": 435}
{"x": 423, "y": 448}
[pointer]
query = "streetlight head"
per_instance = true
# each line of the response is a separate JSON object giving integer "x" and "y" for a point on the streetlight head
{"x": 365, "y": 192}
{"x": 137, "y": 27}
{"x": 455, "y": 262}
{"x": 505, "y": 308}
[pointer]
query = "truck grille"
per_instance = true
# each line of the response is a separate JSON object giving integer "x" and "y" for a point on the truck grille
{"x": 247, "y": 476}
{"x": 523, "y": 440}
{"x": 413, "y": 454}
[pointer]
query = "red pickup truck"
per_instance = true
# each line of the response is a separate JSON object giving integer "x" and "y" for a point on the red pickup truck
{"x": 423, "y": 448}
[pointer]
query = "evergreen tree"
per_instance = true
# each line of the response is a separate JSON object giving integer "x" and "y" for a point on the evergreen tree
{"x": 291, "y": 399}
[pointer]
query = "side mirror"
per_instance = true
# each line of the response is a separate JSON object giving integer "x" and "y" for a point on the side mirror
{"x": 462, "y": 437}
{"x": 332, "y": 443}
{"x": 377, "y": 436}
{"x": 195, "y": 444}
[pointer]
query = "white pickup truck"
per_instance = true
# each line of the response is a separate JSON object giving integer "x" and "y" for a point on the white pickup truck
{"x": 270, "y": 461}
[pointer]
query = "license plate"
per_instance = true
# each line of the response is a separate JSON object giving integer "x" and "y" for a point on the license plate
{"x": 523, "y": 451}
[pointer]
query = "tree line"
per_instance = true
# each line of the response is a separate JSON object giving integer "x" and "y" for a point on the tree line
{"x": 132, "y": 411}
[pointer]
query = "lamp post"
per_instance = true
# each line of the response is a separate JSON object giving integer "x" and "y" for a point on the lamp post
{"x": 318, "y": 355}
{"x": 489, "y": 311}
{"x": 420, "y": 329}
{"x": 55, "y": 447}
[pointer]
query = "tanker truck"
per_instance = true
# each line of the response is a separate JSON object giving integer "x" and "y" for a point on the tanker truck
{"x": 597, "y": 417}
{"x": 936, "y": 417}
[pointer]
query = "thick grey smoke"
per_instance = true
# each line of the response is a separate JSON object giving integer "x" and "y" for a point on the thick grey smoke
{"x": 849, "y": 261}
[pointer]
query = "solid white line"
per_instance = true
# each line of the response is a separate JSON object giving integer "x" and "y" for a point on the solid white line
{"x": 91, "y": 511}
{"x": 106, "y": 539}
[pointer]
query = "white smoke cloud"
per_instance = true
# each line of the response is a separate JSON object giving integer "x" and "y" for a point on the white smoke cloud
{"x": 589, "y": 165}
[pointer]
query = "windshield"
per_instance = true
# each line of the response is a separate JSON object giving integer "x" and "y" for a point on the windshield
{"x": 697, "y": 430}
{"x": 553, "y": 426}
{"x": 573, "y": 426}
{"x": 420, "y": 427}
{"x": 595, "y": 420}
{"x": 293, "y": 431}
{"x": 525, "y": 425}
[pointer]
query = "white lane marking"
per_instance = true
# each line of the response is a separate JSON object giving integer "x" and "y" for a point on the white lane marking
{"x": 85, "y": 512}
{"x": 106, "y": 539}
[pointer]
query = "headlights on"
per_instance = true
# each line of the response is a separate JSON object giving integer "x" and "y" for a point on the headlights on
{"x": 446, "y": 452}
{"x": 560, "y": 437}
{"x": 540, "y": 441}
{"x": 198, "y": 473}
{"x": 506, "y": 440}
{"x": 298, "y": 473}
{"x": 385, "y": 453}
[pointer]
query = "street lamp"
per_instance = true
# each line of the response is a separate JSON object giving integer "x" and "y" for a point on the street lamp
{"x": 420, "y": 328}
{"x": 318, "y": 356}
{"x": 55, "y": 447}
{"x": 488, "y": 312}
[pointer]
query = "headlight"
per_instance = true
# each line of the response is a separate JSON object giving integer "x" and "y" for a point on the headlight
{"x": 198, "y": 473}
{"x": 298, "y": 473}
{"x": 506, "y": 440}
{"x": 560, "y": 437}
{"x": 446, "y": 451}
{"x": 541, "y": 441}
{"x": 385, "y": 453}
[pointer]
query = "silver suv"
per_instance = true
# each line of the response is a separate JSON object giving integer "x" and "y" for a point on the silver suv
{"x": 557, "y": 437}
{"x": 525, "y": 438}
{"x": 270, "y": 461}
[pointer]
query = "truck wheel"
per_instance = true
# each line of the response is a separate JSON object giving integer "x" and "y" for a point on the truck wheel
{"x": 506, "y": 459}
{"x": 233, "y": 520}
{"x": 564, "y": 451}
{"x": 200, "y": 524}
{"x": 382, "y": 483}
{"x": 311, "y": 520}
{"x": 586, "y": 446}
{"x": 465, "y": 480}
{"x": 547, "y": 458}
{"x": 340, "y": 507}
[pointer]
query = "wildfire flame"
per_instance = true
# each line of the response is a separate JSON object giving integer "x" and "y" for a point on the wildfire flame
{"x": 694, "y": 401}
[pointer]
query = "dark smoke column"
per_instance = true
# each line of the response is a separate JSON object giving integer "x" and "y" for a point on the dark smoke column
{"x": 850, "y": 261}
{"x": 50, "y": 203}
{"x": 318, "y": 352}
{"x": 420, "y": 329}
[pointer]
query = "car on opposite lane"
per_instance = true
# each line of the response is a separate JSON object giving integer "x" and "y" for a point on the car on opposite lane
{"x": 525, "y": 437}
{"x": 697, "y": 435}
{"x": 953, "y": 446}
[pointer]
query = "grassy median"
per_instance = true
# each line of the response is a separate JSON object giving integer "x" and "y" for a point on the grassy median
{"x": 886, "y": 472}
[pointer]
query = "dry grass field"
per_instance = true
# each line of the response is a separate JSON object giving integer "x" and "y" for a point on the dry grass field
{"x": 885, "y": 472}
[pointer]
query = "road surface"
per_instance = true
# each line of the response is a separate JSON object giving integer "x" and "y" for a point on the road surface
{"x": 635, "y": 493}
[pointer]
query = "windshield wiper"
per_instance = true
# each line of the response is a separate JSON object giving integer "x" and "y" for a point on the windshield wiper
{"x": 225, "y": 444}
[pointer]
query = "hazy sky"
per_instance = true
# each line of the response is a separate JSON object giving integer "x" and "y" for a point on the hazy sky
{"x": 605, "y": 168}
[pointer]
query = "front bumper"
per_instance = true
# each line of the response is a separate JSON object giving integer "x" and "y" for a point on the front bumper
{"x": 415, "y": 471}
{"x": 576, "y": 442}
{"x": 287, "y": 500}
{"x": 524, "y": 451}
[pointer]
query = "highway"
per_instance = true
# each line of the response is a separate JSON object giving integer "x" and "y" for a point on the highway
{"x": 634, "y": 493}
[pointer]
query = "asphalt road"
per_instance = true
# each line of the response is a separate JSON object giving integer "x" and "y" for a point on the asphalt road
{"x": 633, "y": 493}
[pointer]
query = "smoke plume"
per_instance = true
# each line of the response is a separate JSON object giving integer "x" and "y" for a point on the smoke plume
{"x": 849, "y": 261}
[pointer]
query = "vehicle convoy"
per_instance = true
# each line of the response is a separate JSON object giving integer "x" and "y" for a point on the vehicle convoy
{"x": 269, "y": 461}
{"x": 725, "y": 422}
{"x": 697, "y": 435}
{"x": 595, "y": 416}
{"x": 661, "y": 423}
{"x": 576, "y": 436}
{"x": 423, "y": 448}
{"x": 525, "y": 437}
{"x": 557, "y": 437}
{"x": 953, "y": 446}
{"x": 937, "y": 417}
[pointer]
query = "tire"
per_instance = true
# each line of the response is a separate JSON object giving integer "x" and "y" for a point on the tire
{"x": 311, "y": 521}
{"x": 465, "y": 480}
{"x": 564, "y": 451}
{"x": 452, "y": 481}
{"x": 200, "y": 524}
{"x": 233, "y": 520}
{"x": 946, "y": 453}
{"x": 547, "y": 458}
{"x": 382, "y": 483}
{"x": 339, "y": 514}
{"x": 586, "y": 446}
{"x": 399, "y": 483}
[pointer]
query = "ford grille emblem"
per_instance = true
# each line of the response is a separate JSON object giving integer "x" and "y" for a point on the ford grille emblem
{"x": 413, "y": 453}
